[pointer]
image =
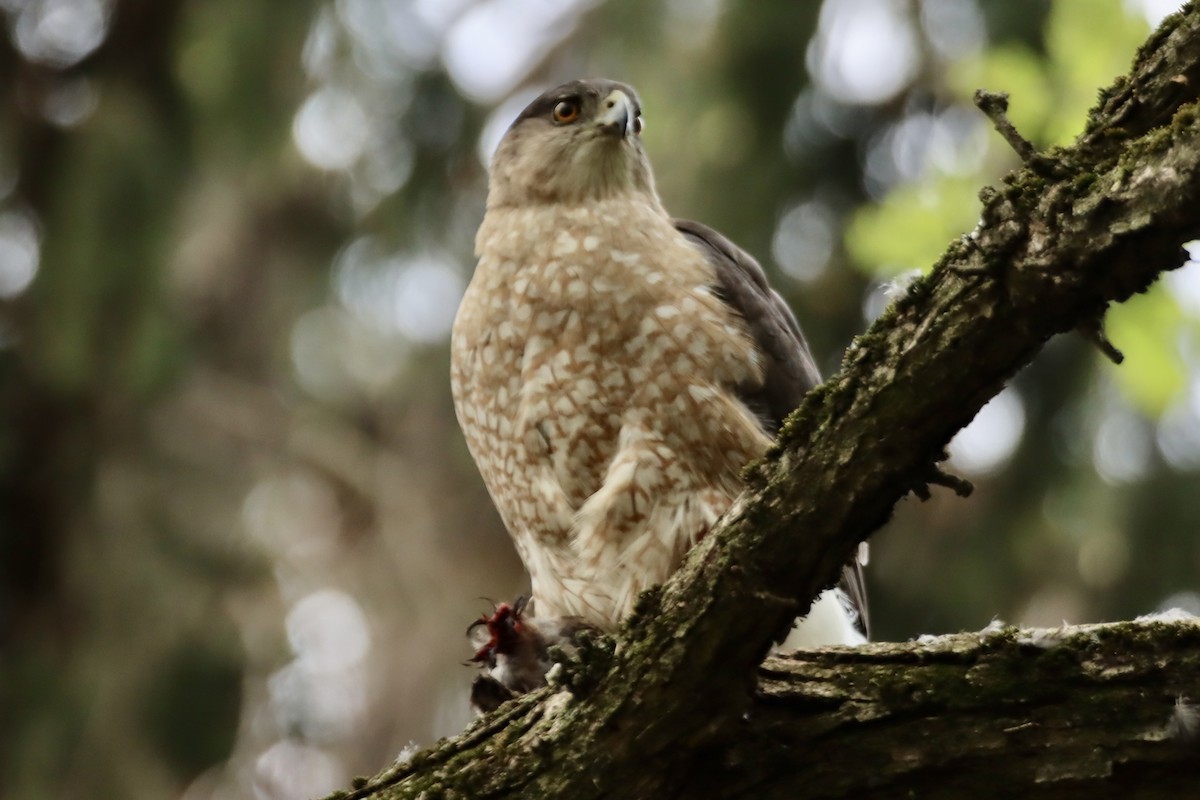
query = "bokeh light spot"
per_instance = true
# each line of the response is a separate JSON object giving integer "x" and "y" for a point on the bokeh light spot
{"x": 19, "y": 252}
{"x": 327, "y": 631}
{"x": 416, "y": 296}
{"x": 992, "y": 437}
{"x": 70, "y": 103}
{"x": 803, "y": 240}
{"x": 331, "y": 129}
{"x": 60, "y": 32}
{"x": 1184, "y": 283}
{"x": 288, "y": 770}
{"x": 1121, "y": 450}
{"x": 955, "y": 28}
{"x": 865, "y": 51}
{"x": 495, "y": 44}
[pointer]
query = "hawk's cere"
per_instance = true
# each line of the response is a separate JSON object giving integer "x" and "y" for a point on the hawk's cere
{"x": 613, "y": 368}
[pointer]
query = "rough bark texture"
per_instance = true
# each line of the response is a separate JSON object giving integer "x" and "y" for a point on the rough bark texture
{"x": 1093, "y": 711}
{"x": 670, "y": 710}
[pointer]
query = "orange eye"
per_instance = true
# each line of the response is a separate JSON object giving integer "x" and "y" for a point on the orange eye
{"x": 566, "y": 111}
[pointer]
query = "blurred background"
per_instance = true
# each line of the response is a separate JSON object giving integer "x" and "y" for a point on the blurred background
{"x": 240, "y": 534}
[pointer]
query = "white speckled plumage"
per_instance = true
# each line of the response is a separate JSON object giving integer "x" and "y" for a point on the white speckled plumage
{"x": 594, "y": 368}
{"x": 593, "y": 399}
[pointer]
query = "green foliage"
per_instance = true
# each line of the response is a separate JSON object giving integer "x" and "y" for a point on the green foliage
{"x": 1147, "y": 328}
{"x": 1088, "y": 44}
{"x": 1085, "y": 45}
{"x": 912, "y": 228}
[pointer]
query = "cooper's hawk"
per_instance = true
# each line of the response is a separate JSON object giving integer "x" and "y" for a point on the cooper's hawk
{"x": 613, "y": 368}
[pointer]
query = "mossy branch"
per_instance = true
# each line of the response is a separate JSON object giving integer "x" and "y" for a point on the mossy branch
{"x": 1091, "y": 711}
{"x": 1072, "y": 231}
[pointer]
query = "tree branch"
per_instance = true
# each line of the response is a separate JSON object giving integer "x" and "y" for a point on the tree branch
{"x": 1072, "y": 231}
{"x": 995, "y": 106}
{"x": 1055, "y": 712}
{"x": 1090, "y": 711}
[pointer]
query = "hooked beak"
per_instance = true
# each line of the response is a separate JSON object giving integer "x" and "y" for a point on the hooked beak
{"x": 616, "y": 115}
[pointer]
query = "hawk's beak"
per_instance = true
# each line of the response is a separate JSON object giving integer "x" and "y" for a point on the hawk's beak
{"x": 616, "y": 115}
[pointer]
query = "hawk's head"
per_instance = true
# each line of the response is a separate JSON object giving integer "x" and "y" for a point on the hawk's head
{"x": 580, "y": 141}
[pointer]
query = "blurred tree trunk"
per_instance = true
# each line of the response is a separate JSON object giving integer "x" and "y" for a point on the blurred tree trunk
{"x": 672, "y": 710}
{"x": 95, "y": 353}
{"x": 58, "y": 419}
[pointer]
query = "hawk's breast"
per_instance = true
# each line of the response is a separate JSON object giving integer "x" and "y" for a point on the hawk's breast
{"x": 593, "y": 373}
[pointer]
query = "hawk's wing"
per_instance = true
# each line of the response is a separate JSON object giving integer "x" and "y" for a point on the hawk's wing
{"x": 789, "y": 369}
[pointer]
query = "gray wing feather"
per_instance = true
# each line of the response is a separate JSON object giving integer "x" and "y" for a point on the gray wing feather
{"x": 789, "y": 372}
{"x": 789, "y": 369}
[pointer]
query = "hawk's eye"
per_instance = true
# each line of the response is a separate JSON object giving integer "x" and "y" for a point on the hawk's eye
{"x": 638, "y": 125}
{"x": 566, "y": 111}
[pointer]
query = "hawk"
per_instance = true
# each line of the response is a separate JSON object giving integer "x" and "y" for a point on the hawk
{"x": 614, "y": 369}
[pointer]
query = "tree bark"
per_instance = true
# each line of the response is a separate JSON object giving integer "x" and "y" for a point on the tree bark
{"x": 1095, "y": 711}
{"x": 670, "y": 708}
